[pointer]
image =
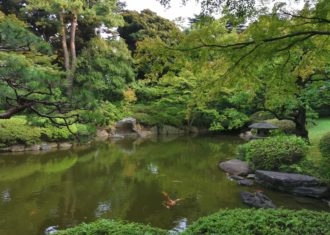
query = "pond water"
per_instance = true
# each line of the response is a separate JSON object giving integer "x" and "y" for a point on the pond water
{"x": 123, "y": 180}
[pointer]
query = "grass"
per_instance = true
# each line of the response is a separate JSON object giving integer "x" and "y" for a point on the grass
{"x": 321, "y": 127}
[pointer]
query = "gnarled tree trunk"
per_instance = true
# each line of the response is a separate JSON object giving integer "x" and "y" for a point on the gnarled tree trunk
{"x": 300, "y": 120}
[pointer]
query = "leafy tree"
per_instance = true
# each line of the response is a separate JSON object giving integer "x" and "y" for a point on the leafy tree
{"x": 147, "y": 24}
{"x": 104, "y": 70}
{"x": 28, "y": 79}
{"x": 68, "y": 15}
{"x": 278, "y": 57}
{"x": 139, "y": 28}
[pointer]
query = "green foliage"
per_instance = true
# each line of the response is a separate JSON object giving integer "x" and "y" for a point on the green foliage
{"x": 286, "y": 126}
{"x": 104, "y": 70}
{"x": 96, "y": 11}
{"x": 147, "y": 24}
{"x": 112, "y": 227}
{"x": 230, "y": 119}
{"x": 272, "y": 153}
{"x": 105, "y": 114}
{"x": 17, "y": 131}
{"x": 325, "y": 145}
{"x": 52, "y": 133}
{"x": 163, "y": 102}
{"x": 162, "y": 112}
{"x": 226, "y": 222}
{"x": 15, "y": 34}
{"x": 262, "y": 221}
{"x": 261, "y": 116}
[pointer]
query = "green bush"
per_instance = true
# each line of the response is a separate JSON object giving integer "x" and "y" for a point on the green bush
{"x": 105, "y": 114}
{"x": 162, "y": 112}
{"x": 286, "y": 126}
{"x": 105, "y": 227}
{"x": 52, "y": 133}
{"x": 262, "y": 222}
{"x": 273, "y": 152}
{"x": 17, "y": 131}
{"x": 85, "y": 130}
{"x": 325, "y": 145}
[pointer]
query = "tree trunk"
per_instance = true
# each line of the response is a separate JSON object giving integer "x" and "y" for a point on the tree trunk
{"x": 301, "y": 123}
{"x": 65, "y": 50}
{"x": 74, "y": 24}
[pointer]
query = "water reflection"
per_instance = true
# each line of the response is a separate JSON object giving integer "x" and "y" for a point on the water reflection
{"x": 5, "y": 195}
{"x": 103, "y": 208}
{"x": 122, "y": 180}
{"x": 182, "y": 225}
{"x": 153, "y": 169}
{"x": 51, "y": 230}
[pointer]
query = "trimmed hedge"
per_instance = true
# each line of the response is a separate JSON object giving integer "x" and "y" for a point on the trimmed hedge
{"x": 273, "y": 152}
{"x": 18, "y": 130}
{"x": 225, "y": 222}
{"x": 325, "y": 145}
{"x": 262, "y": 222}
{"x": 107, "y": 227}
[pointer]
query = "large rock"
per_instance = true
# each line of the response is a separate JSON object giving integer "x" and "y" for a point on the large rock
{"x": 235, "y": 167}
{"x": 102, "y": 134}
{"x": 144, "y": 131}
{"x": 241, "y": 180}
{"x": 302, "y": 185}
{"x": 258, "y": 200}
{"x": 127, "y": 127}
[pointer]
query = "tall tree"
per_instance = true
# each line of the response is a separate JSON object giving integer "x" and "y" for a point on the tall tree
{"x": 146, "y": 24}
{"x": 29, "y": 82}
{"x": 68, "y": 14}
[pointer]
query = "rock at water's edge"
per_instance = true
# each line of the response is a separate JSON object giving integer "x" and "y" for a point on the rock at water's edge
{"x": 302, "y": 185}
{"x": 102, "y": 134}
{"x": 245, "y": 182}
{"x": 17, "y": 148}
{"x": 258, "y": 200}
{"x": 235, "y": 167}
{"x": 65, "y": 146}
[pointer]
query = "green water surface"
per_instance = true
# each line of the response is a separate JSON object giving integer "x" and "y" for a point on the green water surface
{"x": 123, "y": 179}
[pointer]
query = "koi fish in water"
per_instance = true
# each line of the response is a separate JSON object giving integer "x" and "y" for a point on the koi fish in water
{"x": 169, "y": 203}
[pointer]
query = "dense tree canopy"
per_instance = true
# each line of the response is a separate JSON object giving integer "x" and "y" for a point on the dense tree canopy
{"x": 29, "y": 81}
{"x": 215, "y": 74}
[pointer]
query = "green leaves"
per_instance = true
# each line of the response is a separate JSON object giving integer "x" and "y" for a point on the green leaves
{"x": 262, "y": 221}
{"x": 273, "y": 153}
{"x": 104, "y": 70}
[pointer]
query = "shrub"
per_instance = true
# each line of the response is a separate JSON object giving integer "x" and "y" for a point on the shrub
{"x": 17, "y": 131}
{"x": 112, "y": 227}
{"x": 284, "y": 125}
{"x": 52, "y": 133}
{"x": 263, "y": 222}
{"x": 273, "y": 152}
{"x": 325, "y": 145}
{"x": 105, "y": 114}
{"x": 85, "y": 130}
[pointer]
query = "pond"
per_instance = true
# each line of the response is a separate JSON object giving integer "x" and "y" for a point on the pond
{"x": 123, "y": 179}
